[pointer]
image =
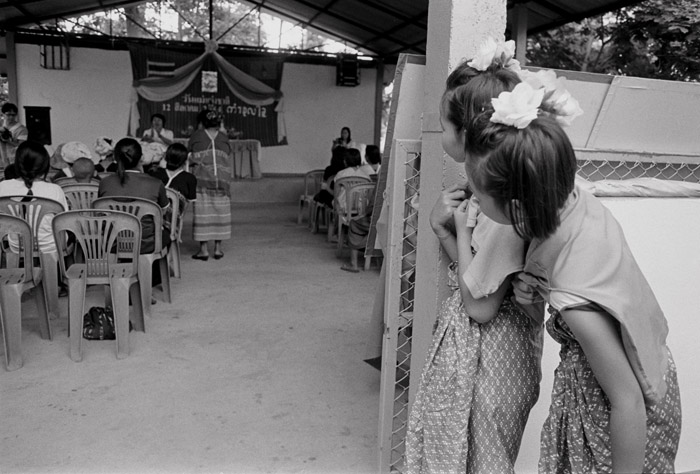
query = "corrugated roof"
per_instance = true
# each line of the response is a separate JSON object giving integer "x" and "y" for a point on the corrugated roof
{"x": 380, "y": 27}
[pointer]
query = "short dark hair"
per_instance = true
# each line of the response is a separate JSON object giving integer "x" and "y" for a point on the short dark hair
{"x": 175, "y": 156}
{"x": 353, "y": 157}
{"x": 83, "y": 168}
{"x": 372, "y": 155}
{"x": 31, "y": 162}
{"x": 9, "y": 107}
{"x": 160, "y": 116}
{"x": 529, "y": 172}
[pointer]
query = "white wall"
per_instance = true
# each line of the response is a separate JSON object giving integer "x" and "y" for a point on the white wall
{"x": 92, "y": 99}
{"x": 88, "y": 101}
{"x": 315, "y": 111}
{"x": 663, "y": 234}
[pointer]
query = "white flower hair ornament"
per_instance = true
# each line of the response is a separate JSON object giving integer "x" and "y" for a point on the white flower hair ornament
{"x": 498, "y": 53}
{"x": 519, "y": 107}
{"x": 557, "y": 102}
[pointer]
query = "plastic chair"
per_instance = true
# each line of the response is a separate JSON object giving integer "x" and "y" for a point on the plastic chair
{"x": 34, "y": 212}
{"x": 13, "y": 283}
{"x": 178, "y": 205}
{"x": 312, "y": 184}
{"x": 357, "y": 198}
{"x": 80, "y": 195}
{"x": 142, "y": 208}
{"x": 96, "y": 234}
{"x": 333, "y": 220}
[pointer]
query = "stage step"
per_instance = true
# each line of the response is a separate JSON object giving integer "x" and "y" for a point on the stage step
{"x": 270, "y": 188}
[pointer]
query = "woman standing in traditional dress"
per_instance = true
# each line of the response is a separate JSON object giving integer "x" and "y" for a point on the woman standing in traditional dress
{"x": 211, "y": 163}
{"x": 481, "y": 377}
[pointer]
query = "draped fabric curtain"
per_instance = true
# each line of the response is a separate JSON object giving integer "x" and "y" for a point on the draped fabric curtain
{"x": 245, "y": 87}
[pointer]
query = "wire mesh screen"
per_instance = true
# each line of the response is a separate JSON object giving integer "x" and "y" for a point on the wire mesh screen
{"x": 399, "y": 305}
{"x": 596, "y": 170}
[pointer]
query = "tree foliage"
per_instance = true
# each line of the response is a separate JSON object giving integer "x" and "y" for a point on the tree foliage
{"x": 656, "y": 38}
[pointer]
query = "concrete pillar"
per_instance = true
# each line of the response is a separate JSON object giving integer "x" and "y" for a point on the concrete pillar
{"x": 456, "y": 28}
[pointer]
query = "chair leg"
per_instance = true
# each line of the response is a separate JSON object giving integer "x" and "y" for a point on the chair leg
{"x": 165, "y": 278}
{"x": 49, "y": 267}
{"x": 120, "y": 296}
{"x": 43, "y": 311}
{"x": 174, "y": 255}
{"x": 138, "y": 317}
{"x": 11, "y": 318}
{"x": 368, "y": 262}
{"x": 301, "y": 211}
{"x": 76, "y": 309}
{"x": 145, "y": 282}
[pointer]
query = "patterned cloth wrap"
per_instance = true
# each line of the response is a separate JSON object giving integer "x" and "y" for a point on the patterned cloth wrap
{"x": 211, "y": 176}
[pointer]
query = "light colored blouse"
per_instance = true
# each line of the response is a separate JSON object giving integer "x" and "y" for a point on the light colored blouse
{"x": 587, "y": 259}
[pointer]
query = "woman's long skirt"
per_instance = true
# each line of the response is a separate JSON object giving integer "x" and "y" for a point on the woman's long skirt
{"x": 212, "y": 216}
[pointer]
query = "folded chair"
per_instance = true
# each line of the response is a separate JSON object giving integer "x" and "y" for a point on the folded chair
{"x": 96, "y": 234}
{"x": 312, "y": 184}
{"x": 142, "y": 208}
{"x": 80, "y": 195}
{"x": 14, "y": 281}
{"x": 34, "y": 212}
{"x": 178, "y": 206}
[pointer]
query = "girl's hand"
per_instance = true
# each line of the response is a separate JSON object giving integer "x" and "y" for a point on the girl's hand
{"x": 442, "y": 213}
{"x": 465, "y": 214}
{"x": 525, "y": 290}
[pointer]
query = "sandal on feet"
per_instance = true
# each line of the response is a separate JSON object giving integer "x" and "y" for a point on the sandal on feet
{"x": 348, "y": 268}
{"x": 201, "y": 257}
{"x": 218, "y": 256}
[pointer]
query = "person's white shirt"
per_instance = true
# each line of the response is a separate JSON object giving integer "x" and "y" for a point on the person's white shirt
{"x": 12, "y": 187}
{"x": 165, "y": 133}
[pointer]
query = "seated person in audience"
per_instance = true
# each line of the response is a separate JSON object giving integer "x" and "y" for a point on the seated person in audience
{"x": 31, "y": 166}
{"x": 174, "y": 175}
{"x": 84, "y": 171}
{"x": 105, "y": 152}
{"x": 325, "y": 195}
{"x": 353, "y": 165}
{"x": 373, "y": 159}
{"x": 129, "y": 180}
{"x": 157, "y": 133}
{"x": 66, "y": 155}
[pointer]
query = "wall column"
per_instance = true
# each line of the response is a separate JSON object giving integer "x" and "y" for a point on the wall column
{"x": 456, "y": 28}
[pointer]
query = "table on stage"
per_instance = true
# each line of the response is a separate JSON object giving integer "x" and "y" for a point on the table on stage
{"x": 246, "y": 157}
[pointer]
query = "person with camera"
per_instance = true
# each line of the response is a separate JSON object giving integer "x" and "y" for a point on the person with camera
{"x": 12, "y": 134}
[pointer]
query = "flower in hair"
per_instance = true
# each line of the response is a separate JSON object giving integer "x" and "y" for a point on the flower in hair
{"x": 495, "y": 53}
{"x": 519, "y": 107}
{"x": 558, "y": 101}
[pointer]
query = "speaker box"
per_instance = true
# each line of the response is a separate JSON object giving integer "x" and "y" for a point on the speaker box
{"x": 347, "y": 71}
{"x": 39, "y": 124}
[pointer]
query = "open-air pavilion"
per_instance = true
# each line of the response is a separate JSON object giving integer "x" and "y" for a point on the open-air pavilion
{"x": 257, "y": 365}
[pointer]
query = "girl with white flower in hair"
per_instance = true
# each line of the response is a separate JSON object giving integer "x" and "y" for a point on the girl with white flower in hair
{"x": 482, "y": 372}
{"x": 615, "y": 402}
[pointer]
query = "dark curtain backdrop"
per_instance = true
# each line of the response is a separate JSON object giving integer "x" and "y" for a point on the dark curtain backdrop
{"x": 259, "y": 122}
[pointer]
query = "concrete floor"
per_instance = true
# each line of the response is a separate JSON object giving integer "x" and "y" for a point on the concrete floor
{"x": 255, "y": 367}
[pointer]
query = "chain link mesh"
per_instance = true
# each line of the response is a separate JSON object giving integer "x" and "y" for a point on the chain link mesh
{"x": 404, "y": 340}
{"x": 596, "y": 170}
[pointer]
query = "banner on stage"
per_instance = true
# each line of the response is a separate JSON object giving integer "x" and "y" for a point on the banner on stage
{"x": 209, "y": 88}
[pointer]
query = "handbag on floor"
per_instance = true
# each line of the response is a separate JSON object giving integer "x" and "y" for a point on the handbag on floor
{"x": 98, "y": 324}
